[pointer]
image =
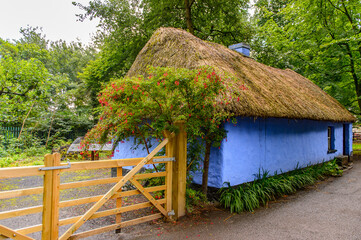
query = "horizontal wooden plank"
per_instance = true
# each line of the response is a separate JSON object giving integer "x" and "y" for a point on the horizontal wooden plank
{"x": 75, "y": 166}
{"x": 115, "y": 226}
{"x": 36, "y": 209}
{"x": 7, "y": 232}
{"x": 21, "y": 192}
{"x": 110, "y": 212}
{"x": 20, "y": 172}
{"x": 87, "y": 165}
{"x": 80, "y": 201}
{"x": 20, "y": 212}
{"x": 37, "y": 228}
{"x": 88, "y": 183}
{"x": 28, "y": 230}
{"x": 149, "y": 175}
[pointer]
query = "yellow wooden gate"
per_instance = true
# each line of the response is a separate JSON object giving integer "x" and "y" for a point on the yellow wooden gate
{"x": 172, "y": 205}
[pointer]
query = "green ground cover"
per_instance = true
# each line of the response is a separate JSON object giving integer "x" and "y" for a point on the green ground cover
{"x": 265, "y": 188}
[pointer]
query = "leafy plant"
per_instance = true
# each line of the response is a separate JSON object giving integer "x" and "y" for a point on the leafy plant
{"x": 264, "y": 188}
{"x": 194, "y": 198}
{"x": 145, "y": 106}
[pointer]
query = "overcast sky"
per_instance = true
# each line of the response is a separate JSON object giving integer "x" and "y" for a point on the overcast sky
{"x": 56, "y": 17}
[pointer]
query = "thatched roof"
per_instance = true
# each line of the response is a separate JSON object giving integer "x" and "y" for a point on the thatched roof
{"x": 271, "y": 92}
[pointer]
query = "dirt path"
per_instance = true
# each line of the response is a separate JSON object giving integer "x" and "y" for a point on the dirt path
{"x": 329, "y": 210}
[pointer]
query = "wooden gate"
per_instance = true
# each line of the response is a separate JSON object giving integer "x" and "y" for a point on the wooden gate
{"x": 172, "y": 205}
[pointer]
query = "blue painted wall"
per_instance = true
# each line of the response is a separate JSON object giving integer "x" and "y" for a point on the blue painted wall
{"x": 275, "y": 145}
{"x": 126, "y": 149}
{"x": 271, "y": 144}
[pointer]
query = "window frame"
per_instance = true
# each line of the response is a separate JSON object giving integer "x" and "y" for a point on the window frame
{"x": 331, "y": 139}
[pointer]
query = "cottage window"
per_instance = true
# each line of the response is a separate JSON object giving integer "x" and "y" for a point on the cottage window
{"x": 331, "y": 139}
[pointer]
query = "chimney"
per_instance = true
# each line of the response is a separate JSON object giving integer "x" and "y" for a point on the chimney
{"x": 241, "y": 48}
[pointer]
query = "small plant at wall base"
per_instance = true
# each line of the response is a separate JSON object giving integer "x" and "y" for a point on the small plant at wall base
{"x": 249, "y": 196}
{"x": 194, "y": 198}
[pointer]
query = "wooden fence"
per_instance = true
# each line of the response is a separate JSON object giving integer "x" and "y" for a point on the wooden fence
{"x": 172, "y": 202}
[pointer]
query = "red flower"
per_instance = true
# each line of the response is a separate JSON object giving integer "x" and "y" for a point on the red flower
{"x": 176, "y": 83}
{"x": 165, "y": 74}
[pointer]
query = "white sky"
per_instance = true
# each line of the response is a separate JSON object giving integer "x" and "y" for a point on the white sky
{"x": 56, "y": 17}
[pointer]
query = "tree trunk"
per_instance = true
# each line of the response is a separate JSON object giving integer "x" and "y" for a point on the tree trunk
{"x": 22, "y": 127}
{"x": 188, "y": 6}
{"x": 51, "y": 123}
{"x": 206, "y": 168}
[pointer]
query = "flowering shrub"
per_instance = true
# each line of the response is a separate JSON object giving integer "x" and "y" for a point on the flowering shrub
{"x": 144, "y": 106}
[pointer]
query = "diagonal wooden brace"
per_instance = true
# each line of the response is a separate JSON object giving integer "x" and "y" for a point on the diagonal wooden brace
{"x": 7, "y": 232}
{"x": 149, "y": 197}
{"x": 112, "y": 191}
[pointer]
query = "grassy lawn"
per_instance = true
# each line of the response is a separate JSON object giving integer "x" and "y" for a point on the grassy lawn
{"x": 27, "y": 158}
{"x": 356, "y": 146}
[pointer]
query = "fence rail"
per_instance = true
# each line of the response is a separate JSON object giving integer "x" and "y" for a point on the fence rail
{"x": 173, "y": 198}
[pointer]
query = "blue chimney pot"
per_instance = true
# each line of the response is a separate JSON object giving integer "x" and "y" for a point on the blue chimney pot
{"x": 241, "y": 48}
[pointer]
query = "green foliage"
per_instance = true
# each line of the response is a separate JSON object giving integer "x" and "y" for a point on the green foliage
{"x": 249, "y": 196}
{"x": 156, "y": 181}
{"x": 127, "y": 26}
{"x": 15, "y": 157}
{"x": 39, "y": 87}
{"x": 144, "y": 107}
{"x": 318, "y": 39}
{"x": 194, "y": 198}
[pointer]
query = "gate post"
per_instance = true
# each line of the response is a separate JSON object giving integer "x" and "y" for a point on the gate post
{"x": 179, "y": 171}
{"x": 50, "y": 221}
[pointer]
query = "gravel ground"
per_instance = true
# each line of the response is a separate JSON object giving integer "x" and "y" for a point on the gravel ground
{"x": 35, "y": 200}
{"x": 329, "y": 210}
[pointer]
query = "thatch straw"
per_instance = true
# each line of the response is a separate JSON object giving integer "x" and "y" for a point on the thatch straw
{"x": 271, "y": 92}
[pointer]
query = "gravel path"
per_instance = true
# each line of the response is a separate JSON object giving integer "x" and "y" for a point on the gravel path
{"x": 36, "y": 200}
{"x": 329, "y": 210}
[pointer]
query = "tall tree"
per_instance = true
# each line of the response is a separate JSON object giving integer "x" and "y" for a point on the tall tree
{"x": 125, "y": 27}
{"x": 321, "y": 40}
{"x": 38, "y": 78}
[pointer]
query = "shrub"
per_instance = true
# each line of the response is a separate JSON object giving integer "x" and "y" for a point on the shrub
{"x": 194, "y": 198}
{"x": 249, "y": 196}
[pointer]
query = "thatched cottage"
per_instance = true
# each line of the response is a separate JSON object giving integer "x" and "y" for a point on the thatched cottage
{"x": 284, "y": 120}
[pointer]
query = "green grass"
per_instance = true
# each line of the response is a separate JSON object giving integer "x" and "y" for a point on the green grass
{"x": 28, "y": 157}
{"x": 356, "y": 146}
{"x": 264, "y": 188}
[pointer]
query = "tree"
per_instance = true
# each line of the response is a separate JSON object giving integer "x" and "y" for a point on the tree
{"x": 318, "y": 39}
{"x": 39, "y": 85}
{"x": 22, "y": 83}
{"x": 144, "y": 107}
{"x": 127, "y": 25}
